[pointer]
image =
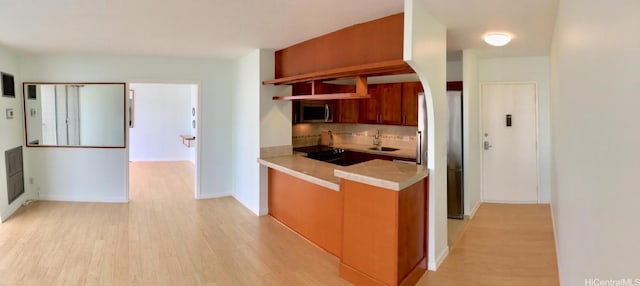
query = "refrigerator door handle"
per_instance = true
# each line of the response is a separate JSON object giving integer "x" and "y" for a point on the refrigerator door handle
{"x": 419, "y": 147}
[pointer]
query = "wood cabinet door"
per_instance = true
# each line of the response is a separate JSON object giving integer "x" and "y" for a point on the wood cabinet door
{"x": 347, "y": 110}
{"x": 410, "y": 92}
{"x": 390, "y": 103}
{"x": 370, "y": 107}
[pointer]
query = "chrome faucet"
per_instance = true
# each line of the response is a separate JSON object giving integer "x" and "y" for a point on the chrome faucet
{"x": 376, "y": 139}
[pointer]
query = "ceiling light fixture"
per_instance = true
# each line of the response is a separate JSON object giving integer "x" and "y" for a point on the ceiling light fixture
{"x": 497, "y": 39}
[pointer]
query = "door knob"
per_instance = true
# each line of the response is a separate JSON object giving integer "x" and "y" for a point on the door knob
{"x": 487, "y": 145}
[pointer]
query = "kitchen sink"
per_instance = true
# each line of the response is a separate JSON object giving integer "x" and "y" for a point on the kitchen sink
{"x": 387, "y": 149}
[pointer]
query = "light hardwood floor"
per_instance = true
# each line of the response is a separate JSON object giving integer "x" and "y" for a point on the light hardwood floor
{"x": 504, "y": 244}
{"x": 165, "y": 237}
{"x": 455, "y": 228}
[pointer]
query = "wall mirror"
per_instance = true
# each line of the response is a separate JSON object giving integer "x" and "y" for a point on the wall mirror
{"x": 88, "y": 115}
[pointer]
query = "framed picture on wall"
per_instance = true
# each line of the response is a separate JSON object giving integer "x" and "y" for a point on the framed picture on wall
{"x": 8, "y": 85}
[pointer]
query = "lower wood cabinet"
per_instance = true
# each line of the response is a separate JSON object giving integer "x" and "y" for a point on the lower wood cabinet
{"x": 312, "y": 211}
{"x": 385, "y": 234}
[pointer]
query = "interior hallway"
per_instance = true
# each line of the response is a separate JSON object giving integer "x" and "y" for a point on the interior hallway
{"x": 504, "y": 244}
{"x": 165, "y": 237}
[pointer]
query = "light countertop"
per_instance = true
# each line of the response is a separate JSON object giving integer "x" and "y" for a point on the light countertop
{"x": 384, "y": 174}
{"x": 379, "y": 173}
{"x": 404, "y": 153}
{"x": 310, "y": 170}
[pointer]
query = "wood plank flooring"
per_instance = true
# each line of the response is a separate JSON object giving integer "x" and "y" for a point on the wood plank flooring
{"x": 504, "y": 244}
{"x": 165, "y": 237}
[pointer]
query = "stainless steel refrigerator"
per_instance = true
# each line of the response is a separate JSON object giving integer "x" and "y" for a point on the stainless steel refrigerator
{"x": 455, "y": 199}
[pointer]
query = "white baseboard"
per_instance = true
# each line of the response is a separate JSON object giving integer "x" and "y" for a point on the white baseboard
{"x": 160, "y": 159}
{"x": 264, "y": 211}
{"x": 256, "y": 212}
{"x": 13, "y": 207}
{"x": 474, "y": 209}
{"x": 555, "y": 233}
{"x": 82, "y": 198}
{"x": 214, "y": 196}
{"x": 433, "y": 265}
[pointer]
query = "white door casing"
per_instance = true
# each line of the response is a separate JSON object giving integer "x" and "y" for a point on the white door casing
{"x": 510, "y": 155}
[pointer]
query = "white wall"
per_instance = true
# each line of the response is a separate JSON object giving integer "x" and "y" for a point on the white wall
{"x": 472, "y": 145}
{"x": 530, "y": 69}
{"x": 246, "y": 131}
{"x": 56, "y": 171}
{"x": 259, "y": 122}
{"x": 12, "y": 131}
{"x": 595, "y": 115}
{"x": 425, "y": 45}
{"x": 162, "y": 113}
{"x": 275, "y": 115}
{"x": 454, "y": 71}
{"x": 275, "y": 119}
{"x": 193, "y": 130}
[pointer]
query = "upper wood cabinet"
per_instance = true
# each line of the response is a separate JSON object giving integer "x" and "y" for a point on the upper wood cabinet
{"x": 390, "y": 103}
{"x": 410, "y": 92}
{"x": 376, "y": 41}
{"x": 370, "y": 108}
{"x": 346, "y": 110}
{"x": 384, "y": 106}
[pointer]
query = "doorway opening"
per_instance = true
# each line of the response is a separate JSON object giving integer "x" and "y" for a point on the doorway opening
{"x": 163, "y": 133}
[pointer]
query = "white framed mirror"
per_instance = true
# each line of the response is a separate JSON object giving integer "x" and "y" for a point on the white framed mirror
{"x": 85, "y": 115}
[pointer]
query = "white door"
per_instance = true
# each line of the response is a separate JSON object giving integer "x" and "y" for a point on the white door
{"x": 509, "y": 133}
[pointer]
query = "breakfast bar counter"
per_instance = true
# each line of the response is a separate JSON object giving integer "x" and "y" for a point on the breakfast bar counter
{"x": 371, "y": 215}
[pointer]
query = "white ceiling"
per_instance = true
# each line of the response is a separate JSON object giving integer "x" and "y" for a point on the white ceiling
{"x": 232, "y": 28}
{"x": 531, "y": 22}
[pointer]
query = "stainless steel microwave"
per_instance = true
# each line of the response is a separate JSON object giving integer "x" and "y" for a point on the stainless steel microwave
{"x": 315, "y": 111}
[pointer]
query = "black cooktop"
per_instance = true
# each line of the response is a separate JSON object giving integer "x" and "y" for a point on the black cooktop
{"x": 314, "y": 149}
{"x": 321, "y": 152}
{"x": 325, "y": 153}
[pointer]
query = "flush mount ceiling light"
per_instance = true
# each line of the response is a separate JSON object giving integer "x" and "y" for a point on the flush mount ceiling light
{"x": 497, "y": 39}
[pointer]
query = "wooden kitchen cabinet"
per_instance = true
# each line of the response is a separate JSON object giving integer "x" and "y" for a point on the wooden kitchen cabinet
{"x": 347, "y": 110}
{"x": 410, "y": 92}
{"x": 370, "y": 107}
{"x": 384, "y": 233}
{"x": 313, "y": 211}
{"x": 384, "y": 106}
{"x": 391, "y": 103}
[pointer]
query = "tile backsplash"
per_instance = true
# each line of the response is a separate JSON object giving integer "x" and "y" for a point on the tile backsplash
{"x": 391, "y": 136}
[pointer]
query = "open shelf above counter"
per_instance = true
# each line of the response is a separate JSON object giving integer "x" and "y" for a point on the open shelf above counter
{"x": 371, "y": 69}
